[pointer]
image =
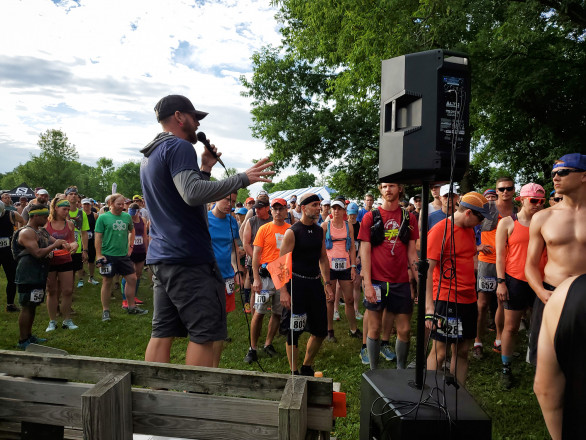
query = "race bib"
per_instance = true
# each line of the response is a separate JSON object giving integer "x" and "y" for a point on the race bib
{"x": 37, "y": 296}
{"x": 279, "y": 240}
{"x": 4, "y": 242}
{"x": 90, "y": 235}
{"x": 377, "y": 292}
{"x": 298, "y": 322}
{"x": 230, "y": 286}
{"x": 486, "y": 284}
{"x": 106, "y": 269}
{"x": 339, "y": 264}
{"x": 451, "y": 327}
{"x": 138, "y": 240}
{"x": 261, "y": 297}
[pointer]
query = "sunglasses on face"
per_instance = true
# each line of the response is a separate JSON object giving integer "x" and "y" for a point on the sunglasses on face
{"x": 506, "y": 188}
{"x": 536, "y": 201}
{"x": 557, "y": 199}
{"x": 564, "y": 172}
{"x": 479, "y": 216}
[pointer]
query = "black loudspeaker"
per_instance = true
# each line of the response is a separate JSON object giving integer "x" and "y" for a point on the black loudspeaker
{"x": 425, "y": 99}
{"x": 386, "y": 415}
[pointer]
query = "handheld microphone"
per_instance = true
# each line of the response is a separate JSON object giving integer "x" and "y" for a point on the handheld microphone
{"x": 201, "y": 136}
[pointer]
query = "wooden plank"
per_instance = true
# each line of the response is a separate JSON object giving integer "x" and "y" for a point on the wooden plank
{"x": 200, "y": 429}
{"x": 229, "y": 409}
{"x": 61, "y": 415}
{"x": 43, "y": 391}
{"x": 106, "y": 409}
{"x": 36, "y": 348}
{"x": 293, "y": 410}
{"x": 320, "y": 418}
{"x": 236, "y": 383}
{"x": 37, "y": 431}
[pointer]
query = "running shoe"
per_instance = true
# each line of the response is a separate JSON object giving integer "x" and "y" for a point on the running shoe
{"x": 359, "y": 315}
{"x": 125, "y": 304}
{"x": 52, "y": 326}
{"x": 24, "y": 344}
{"x": 246, "y": 307}
{"x": 80, "y": 284}
{"x": 34, "y": 340}
{"x": 106, "y": 315}
{"x": 357, "y": 334}
{"x": 364, "y": 356}
{"x": 270, "y": 350}
{"x": 387, "y": 353}
{"x": 331, "y": 338}
{"x": 306, "y": 370}
{"x": 496, "y": 348}
{"x": 336, "y": 315}
{"x": 92, "y": 281}
{"x": 138, "y": 302}
{"x": 251, "y": 356}
{"x": 506, "y": 378}
{"x": 477, "y": 352}
{"x": 136, "y": 311}
{"x": 12, "y": 308}
{"x": 69, "y": 325}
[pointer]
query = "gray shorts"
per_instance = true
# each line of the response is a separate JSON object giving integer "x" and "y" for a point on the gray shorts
{"x": 273, "y": 300}
{"x": 189, "y": 300}
{"x": 486, "y": 278}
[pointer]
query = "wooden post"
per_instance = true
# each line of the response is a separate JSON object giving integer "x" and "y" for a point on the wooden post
{"x": 106, "y": 409}
{"x": 293, "y": 410}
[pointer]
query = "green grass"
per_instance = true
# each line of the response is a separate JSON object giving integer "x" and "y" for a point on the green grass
{"x": 515, "y": 413}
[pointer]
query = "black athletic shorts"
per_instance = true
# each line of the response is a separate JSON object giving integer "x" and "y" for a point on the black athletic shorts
{"x": 65, "y": 267}
{"x": 521, "y": 296}
{"x": 460, "y": 325}
{"x": 31, "y": 294}
{"x": 77, "y": 261}
{"x": 395, "y": 297}
{"x": 308, "y": 298}
{"x": 342, "y": 275}
{"x": 91, "y": 251}
{"x": 138, "y": 257}
{"x": 119, "y": 266}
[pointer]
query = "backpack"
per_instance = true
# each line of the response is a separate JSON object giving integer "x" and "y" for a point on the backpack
{"x": 377, "y": 230}
{"x": 330, "y": 241}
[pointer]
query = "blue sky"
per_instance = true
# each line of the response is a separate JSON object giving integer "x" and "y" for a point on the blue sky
{"x": 96, "y": 68}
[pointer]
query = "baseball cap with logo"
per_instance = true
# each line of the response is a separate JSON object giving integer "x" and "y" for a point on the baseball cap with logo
{"x": 170, "y": 104}
{"x": 477, "y": 202}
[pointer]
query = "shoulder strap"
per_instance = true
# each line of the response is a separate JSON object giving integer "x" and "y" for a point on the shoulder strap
{"x": 348, "y": 239}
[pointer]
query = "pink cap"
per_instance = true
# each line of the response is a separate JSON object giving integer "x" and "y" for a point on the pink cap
{"x": 531, "y": 190}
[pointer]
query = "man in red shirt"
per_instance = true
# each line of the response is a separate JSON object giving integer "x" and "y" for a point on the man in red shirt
{"x": 451, "y": 309}
{"x": 385, "y": 266}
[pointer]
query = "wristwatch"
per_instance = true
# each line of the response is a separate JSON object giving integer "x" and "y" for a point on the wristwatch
{"x": 500, "y": 280}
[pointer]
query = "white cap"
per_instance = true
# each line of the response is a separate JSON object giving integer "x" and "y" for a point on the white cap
{"x": 338, "y": 203}
{"x": 412, "y": 201}
{"x": 107, "y": 198}
{"x": 42, "y": 191}
{"x": 326, "y": 202}
{"x": 445, "y": 189}
{"x": 84, "y": 201}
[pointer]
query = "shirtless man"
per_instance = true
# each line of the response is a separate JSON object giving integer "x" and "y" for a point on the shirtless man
{"x": 562, "y": 231}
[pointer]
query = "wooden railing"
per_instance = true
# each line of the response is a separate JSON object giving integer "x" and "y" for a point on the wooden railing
{"x": 113, "y": 398}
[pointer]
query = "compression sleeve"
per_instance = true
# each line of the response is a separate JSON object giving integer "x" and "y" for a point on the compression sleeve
{"x": 195, "y": 190}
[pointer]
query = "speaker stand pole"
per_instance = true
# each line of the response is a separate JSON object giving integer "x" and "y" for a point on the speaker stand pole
{"x": 421, "y": 348}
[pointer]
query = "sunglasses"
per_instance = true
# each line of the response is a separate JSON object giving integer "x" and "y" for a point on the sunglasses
{"x": 564, "y": 172}
{"x": 506, "y": 188}
{"x": 557, "y": 199}
{"x": 536, "y": 201}
{"x": 479, "y": 216}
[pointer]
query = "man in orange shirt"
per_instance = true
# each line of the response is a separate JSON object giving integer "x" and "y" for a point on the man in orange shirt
{"x": 505, "y": 188}
{"x": 267, "y": 244}
{"x": 451, "y": 310}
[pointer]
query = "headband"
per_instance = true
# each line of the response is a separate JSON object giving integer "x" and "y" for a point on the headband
{"x": 41, "y": 211}
{"x": 61, "y": 203}
{"x": 70, "y": 190}
{"x": 310, "y": 199}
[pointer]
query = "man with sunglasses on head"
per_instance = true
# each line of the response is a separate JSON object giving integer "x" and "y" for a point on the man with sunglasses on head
{"x": 561, "y": 230}
{"x": 486, "y": 278}
{"x": 513, "y": 291}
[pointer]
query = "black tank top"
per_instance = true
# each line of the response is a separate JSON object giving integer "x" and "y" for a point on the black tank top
{"x": 307, "y": 250}
{"x": 255, "y": 223}
{"x": 91, "y": 219}
{"x": 6, "y": 230}
{"x": 569, "y": 338}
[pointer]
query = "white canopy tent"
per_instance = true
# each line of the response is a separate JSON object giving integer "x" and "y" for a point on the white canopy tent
{"x": 322, "y": 191}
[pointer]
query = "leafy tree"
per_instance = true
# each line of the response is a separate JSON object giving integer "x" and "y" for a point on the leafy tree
{"x": 316, "y": 98}
{"x": 127, "y": 177}
{"x": 302, "y": 179}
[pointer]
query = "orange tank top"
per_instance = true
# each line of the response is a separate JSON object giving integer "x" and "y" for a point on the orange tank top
{"x": 338, "y": 251}
{"x": 517, "y": 251}
{"x": 489, "y": 238}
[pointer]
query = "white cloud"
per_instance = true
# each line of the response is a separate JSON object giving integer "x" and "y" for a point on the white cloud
{"x": 96, "y": 68}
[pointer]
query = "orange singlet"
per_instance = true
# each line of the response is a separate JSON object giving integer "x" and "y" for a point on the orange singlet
{"x": 517, "y": 252}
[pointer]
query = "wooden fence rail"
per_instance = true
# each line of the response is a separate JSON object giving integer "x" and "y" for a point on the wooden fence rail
{"x": 196, "y": 402}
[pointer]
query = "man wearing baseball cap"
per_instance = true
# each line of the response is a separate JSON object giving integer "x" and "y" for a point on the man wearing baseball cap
{"x": 560, "y": 230}
{"x": 267, "y": 245}
{"x": 189, "y": 296}
{"x": 451, "y": 310}
{"x": 42, "y": 197}
{"x": 449, "y": 205}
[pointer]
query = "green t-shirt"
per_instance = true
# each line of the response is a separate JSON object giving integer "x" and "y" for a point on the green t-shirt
{"x": 80, "y": 223}
{"x": 114, "y": 230}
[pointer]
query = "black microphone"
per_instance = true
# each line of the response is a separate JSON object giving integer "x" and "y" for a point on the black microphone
{"x": 201, "y": 136}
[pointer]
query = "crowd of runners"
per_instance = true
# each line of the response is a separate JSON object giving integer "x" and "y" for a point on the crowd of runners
{"x": 494, "y": 258}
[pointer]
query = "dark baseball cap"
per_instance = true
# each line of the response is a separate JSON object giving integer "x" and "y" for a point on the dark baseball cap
{"x": 170, "y": 104}
{"x": 261, "y": 204}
